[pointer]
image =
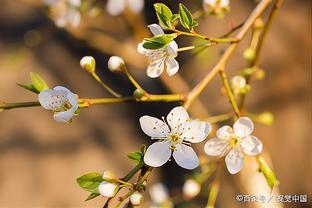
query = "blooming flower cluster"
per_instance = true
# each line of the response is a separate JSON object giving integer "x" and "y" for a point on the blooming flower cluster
{"x": 65, "y": 12}
{"x": 61, "y": 101}
{"x": 234, "y": 143}
{"x": 174, "y": 138}
{"x": 161, "y": 59}
{"x": 116, "y": 7}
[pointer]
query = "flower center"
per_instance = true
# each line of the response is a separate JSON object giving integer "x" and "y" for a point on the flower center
{"x": 63, "y": 107}
{"x": 234, "y": 141}
{"x": 175, "y": 139}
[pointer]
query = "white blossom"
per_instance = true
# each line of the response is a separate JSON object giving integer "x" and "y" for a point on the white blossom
{"x": 174, "y": 138}
{"x": 191, "y": 188}
{"x": 108, "y": 189}
{"x": 136, "y": 198}
{"x": 115, "y": 64}
{"x": 158, "y": 193}
{"x": 233, "y": 143}
{"x": 61, "y": 101}
{"x": 218, "y": 7}
{"x": 116, "y": 7}
{"x": 161, "y": 59}
{"x": 238, "y": 83}
{"x": 215, "y": 3}
{"x": 64, "y": 12}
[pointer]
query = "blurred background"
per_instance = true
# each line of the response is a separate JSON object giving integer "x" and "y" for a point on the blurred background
{"x": 41, "y": 159}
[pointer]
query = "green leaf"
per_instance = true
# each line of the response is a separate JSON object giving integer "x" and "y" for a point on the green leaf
{"x": 158, "y": 41}
{"x": 186, "y": 17}
{"x": 164, "y": 14}
{"x": 267, "y": 172}
{"x": 90, "y": 182}
{"x": 137, "y": 157}
{"x": 38, "y": 82}
{"x": 29, "y": 87}
{"x": 92, "y": 196}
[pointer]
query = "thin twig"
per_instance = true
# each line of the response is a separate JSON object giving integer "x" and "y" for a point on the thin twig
{"x": 197, "y": 90}
{"x": 229, "y": 92}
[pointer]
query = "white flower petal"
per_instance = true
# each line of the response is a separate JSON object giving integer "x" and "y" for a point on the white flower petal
{"x": 136, "y": 6}
{"x": 196, "y": 131}
{"x": 156, "y": 68}
{"x": 177, "y": 119}
{"x": 61, "y": 88}
{"x": 172, "y": 49}
{"x": 157, "y": 154}
{"x": 65, "y": 116}
{"x": 224, "y": 132}
{"x": 243, "y": 127}
{"x": 234, "y": 161}
{"x": 115, "y": 7}
{"x": 73, "y": 100}
{"x": 107, "y": 189}
{"x": 185, "y": 157}
{"x": 52, "y": 99}
{"x": 251, "y": 145}
{"x": 141, "y": 49}
{"x": 238, "y": 81}
{"x": 154, "y": 127}
{"x": 156, "y": 29}
{"x": 216, "y": 147}
{"x": 172, "y": 66}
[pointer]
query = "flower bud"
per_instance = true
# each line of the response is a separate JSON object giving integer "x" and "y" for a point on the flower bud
{"x": 108, "y": 175}
{"x": 136, "y": 198}
{"x": 88, "y": 63}
{"x": 238, "y": 83}
{"x": 259, "y": 24}
{"x": 159, "y": 193}
{"x": 260, "y": 74}
{"x": 116, "y": 64}
{"x": 107, "y": 189}
{"x": 139, "y": 93}
{"x": 191, "y": 188}
{"x": 248, "y": 71}
{"x": 266, "y": 118}
{"x": 249, "y": 54}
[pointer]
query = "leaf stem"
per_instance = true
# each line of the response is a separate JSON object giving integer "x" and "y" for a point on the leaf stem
{"x": 105, "y": 86}
{"x": 194, "y": 34}
{"x": 219, "y": 118}
{"x": 133, "y": 172}
{"x": 214, "y": 190}
{"x": 194, "y": 47}
{"x": 131, "y": 78}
